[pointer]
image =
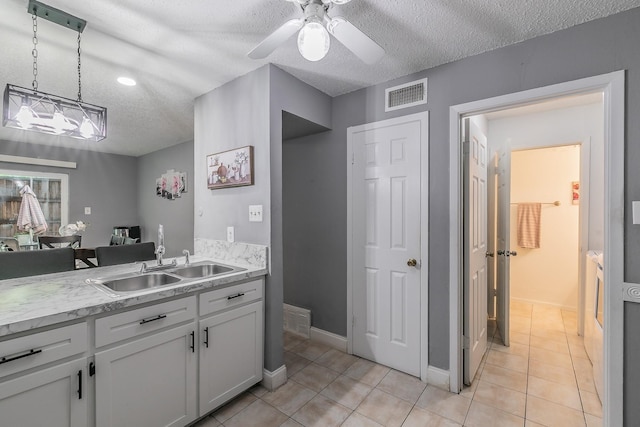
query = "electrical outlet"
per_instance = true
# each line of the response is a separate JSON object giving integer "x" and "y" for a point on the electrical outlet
{"x": 231, "y": 235}
{"x": 255, "y": 213}
{"x": 87, "y": 210}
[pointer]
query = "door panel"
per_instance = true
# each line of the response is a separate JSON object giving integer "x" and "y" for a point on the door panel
{"x": 386, "y": 234}
{"x": 503, "y": 243}
{"x": 475, "y": 243}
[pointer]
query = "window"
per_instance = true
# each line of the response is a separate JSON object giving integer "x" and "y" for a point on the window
{"x": 51, "y": 189}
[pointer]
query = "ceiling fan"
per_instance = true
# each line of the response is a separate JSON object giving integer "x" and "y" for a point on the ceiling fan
{"x": 313, "y": 38}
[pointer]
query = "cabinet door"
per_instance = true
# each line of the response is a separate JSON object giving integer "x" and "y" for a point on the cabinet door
{"x": 53, "y": 397}
{"x": 148, "y": 382}
{"x": 230, "y": 354}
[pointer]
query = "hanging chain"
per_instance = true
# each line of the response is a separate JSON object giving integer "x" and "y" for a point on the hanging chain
{"x": 79, "y": 73}
{"x": 34, "y": 52}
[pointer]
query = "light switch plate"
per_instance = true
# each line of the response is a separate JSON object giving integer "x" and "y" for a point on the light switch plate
{"x": 87, "y": 210}
{"x": 231, "y": 235}
{"x": 635, "y": 207}
{"x": 255, "y": 213}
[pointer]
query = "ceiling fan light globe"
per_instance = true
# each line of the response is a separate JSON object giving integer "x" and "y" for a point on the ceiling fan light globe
{"x": 313, "y": 41}
{"x": 340, "y": 1}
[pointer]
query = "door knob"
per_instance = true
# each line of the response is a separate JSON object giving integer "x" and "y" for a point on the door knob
{"x": 512, "y": 253}
{"x": 500, "y": 252}
{"x": 488, "y": 254}
{"x": 412, "y": 262}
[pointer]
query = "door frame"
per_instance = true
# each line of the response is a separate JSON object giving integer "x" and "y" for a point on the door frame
{"x": 613, "y": 87}
{"x": 423, "y": 118}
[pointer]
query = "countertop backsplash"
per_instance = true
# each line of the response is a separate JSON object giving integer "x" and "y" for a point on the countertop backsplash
{"x": 234, "y": 253}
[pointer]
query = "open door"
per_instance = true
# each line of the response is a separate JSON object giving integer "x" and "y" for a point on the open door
{"x": 475, "y": 248}
{"x": 503, "y": 243}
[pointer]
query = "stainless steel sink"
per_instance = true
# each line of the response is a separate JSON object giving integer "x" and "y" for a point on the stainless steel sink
{"x": 204, "y": 269}
{"x": 137, "y": 282}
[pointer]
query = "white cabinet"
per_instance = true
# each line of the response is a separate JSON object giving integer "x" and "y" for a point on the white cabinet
{"x": 231, "y": 343}
{"x": 149, "y": 381}
{"x": 55, "y": 396}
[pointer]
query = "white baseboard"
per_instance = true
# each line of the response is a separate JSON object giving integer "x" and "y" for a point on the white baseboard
{"x": 438, "y": 377}
{"x": 272, "y": 380}
{"x": 332, "y": 340}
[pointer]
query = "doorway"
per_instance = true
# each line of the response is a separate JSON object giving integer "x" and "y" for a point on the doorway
{"x": 612, "y": 86}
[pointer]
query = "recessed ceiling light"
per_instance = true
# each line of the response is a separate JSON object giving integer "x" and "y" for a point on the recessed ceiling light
{"x": 126, "y": 81}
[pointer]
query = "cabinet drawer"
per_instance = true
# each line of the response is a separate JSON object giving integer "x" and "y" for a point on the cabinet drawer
{"x": 37, "y": 349}
{"x": 136, "y": 322}
{"x": 220, "y": 299}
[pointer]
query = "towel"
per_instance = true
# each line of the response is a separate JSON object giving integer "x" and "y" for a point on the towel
{"x": 529, "y": 225}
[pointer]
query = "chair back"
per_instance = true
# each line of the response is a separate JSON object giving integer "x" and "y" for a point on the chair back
{"x": 48, "y": 242}
{"x": 123, "y": 254}
{"x": 34, "y": 263}
{"x": 10, "y": 242}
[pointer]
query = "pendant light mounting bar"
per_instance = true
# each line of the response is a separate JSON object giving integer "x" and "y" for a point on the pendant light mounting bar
{"x": 56, "y": 15}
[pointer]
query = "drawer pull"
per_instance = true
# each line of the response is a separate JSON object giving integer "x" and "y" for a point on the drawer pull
{"x": 193, "y": 342}
{"x": 240, "y": 294}
{"x": 11, "y": 359}
{"x": 206, "y": 337}
{"x": 153, "y": 319}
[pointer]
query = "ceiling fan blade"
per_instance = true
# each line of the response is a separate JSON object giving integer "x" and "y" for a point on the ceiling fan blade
{"x": 355, "y": 40}
{"x": 275, "y": 39}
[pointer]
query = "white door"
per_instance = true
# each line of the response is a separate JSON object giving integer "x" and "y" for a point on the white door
{"x": 492, "y": 197}
{"x": 503, "y": 243}
{"x": 475, "y": 244}
{"x": 386, "y": 258}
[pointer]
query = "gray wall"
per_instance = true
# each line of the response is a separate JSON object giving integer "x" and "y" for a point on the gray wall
{"x": 598, "y": 47}
{"x": 248, "y": 111}
{"x": 105, "y": 182}
{"x": 175, "y": 215}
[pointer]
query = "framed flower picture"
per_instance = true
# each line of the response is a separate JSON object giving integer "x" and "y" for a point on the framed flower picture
{"x": 232, "y": 168}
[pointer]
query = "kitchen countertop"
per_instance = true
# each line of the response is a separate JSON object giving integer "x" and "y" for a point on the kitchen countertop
{"x": 31, "y": 302}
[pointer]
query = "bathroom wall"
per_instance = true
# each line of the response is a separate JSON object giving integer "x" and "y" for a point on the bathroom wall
{"x": 549, "y": 274}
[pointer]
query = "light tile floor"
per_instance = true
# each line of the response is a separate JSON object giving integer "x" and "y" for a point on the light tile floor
{"x": 543, "y": 379}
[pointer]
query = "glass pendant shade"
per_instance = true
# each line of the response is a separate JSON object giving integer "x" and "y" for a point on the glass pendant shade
{"x": 42, "y": 112}
{"x": 313, "y": 41}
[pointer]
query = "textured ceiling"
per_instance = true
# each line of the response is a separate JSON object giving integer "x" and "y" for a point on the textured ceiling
{"x": 178, "y": 50}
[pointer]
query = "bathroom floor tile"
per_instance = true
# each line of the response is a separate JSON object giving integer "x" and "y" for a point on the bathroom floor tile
{"x": 234, "y": 407}
{"x": 591, "y": 403}
{"x": 294, "y": 363}
{"x": 359, "y": 420}
{"x": 513, "y": 362}
{"x": 310, "y": 350}
{"x": 423, "y": 418}
{"x": 566, "y": 395}
{"x": 258, "y": 413}
{"x": 499, "y": 397}
{"x": 551, "y": 414}
{"x": 505, "y": 377}
{"x": 336, "y": 360}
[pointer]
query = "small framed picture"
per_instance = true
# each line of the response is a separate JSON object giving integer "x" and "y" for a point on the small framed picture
{"x": 232, "y": 168}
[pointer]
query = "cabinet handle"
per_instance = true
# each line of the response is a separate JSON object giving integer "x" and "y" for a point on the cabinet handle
{"x": 193, "y": 342}
{"x": 80, "y": 384}
{"x": 153, "y": 319}
{"x": 206, "y": 337}
{"x": 11, "y": 359}
{"x": 241, "y": 294}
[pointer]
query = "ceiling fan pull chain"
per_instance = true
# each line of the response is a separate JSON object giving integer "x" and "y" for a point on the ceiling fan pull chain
{"x": 34, "y": 52}
{"x": 79, "y": 73}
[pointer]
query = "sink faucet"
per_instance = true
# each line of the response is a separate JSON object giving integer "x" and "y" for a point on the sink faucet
{"x": 186, "y": 256}
{"x": 160, "y": 250}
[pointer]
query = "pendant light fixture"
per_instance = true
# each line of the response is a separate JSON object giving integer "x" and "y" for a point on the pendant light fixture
{"x": 30, "y": 109}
